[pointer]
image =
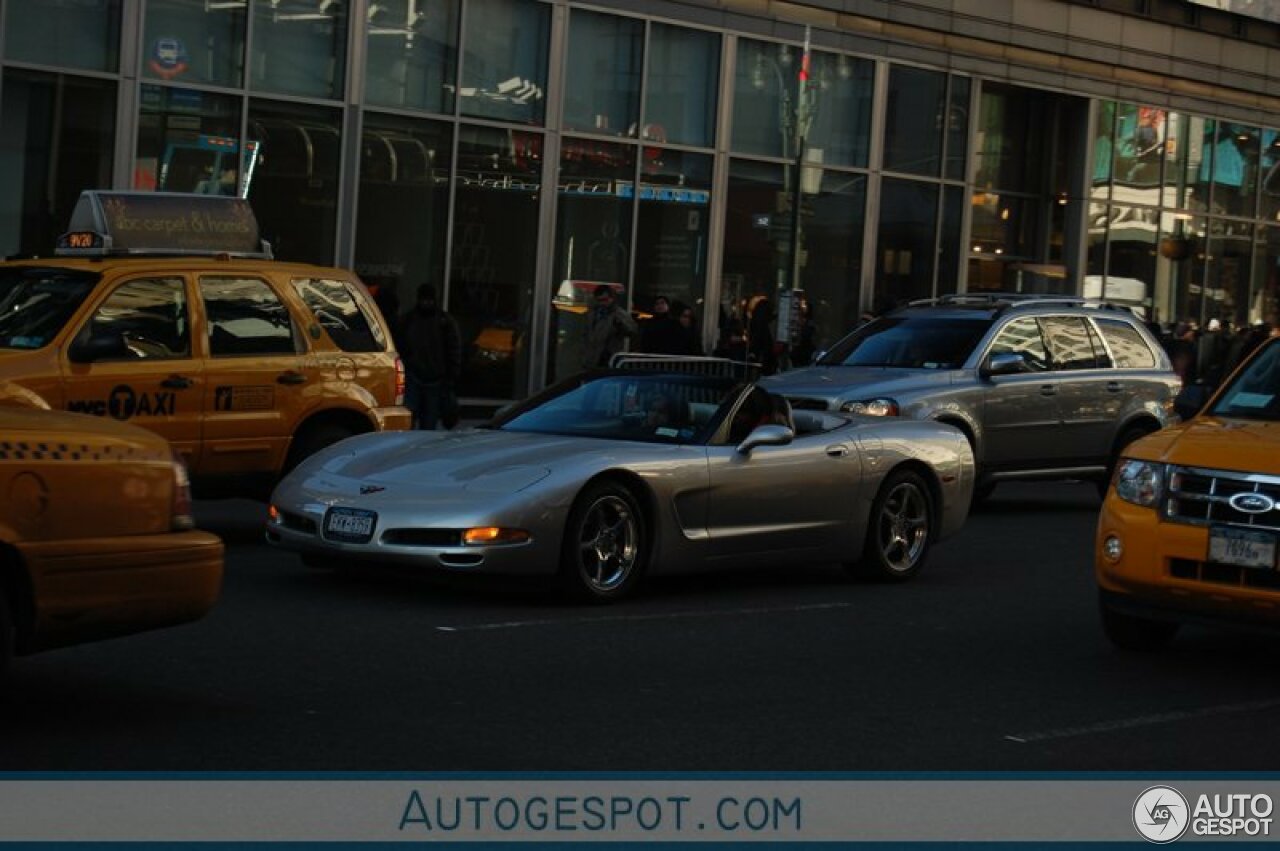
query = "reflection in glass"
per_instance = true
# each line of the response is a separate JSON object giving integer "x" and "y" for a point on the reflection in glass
{"x": 905, "y": 251}
{"x": 55, "y": 32}
{"x": 412, "y": 54}
{"x": 913, "y": 121}
{"x": 1230, "y": 273}
{"x": 957, "y": 133}
{"x": 495, "y": 235}
{"x": 950, "y": 245}
{"x": 1103, "y": 151}
{"x": 194, "y": 43}
{"x": 602, "y": 78}
{"x": 1269, "y": 208}
{"x": 755, "y": 250}
{"x": 839, "y": 112}
{"x": 402, "y": 215}
{"x": 188, "y": 142}
{"x": 1264, "y": 306}
{"x": 593, "y": 242}
{"x": 764, "y": 93}
{"x": 149, "y": 316}
{"x": 504, "y": 62}
{"x": 1139, "y": 148}
{"x": 1131, "y": 263}
{"x": 833, "y": 223}
{"x": 1015, "y": 126}
{"x": 299, "y": 47}
{"x": 680, "y": 98}
{"x": 1179, "y": 273}
{"x": 56, "y": 139}
{"x": 1235, "y": 169}
{"x": 294, "y": 187}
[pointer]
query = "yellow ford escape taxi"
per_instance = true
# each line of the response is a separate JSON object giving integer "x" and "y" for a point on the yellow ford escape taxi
{"x": 96, "y": 536}
{"x": 1189, "y": 529}
{"x": 167, "y": 311}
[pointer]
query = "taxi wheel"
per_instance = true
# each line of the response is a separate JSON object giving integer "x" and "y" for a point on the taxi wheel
{"x": 898, "y": 531}
{"x": 1133, "y": 633}
{"x": 314, "y": 438}
{"x": 605, "y": 544}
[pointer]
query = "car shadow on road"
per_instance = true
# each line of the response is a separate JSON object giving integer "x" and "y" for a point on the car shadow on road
{"x": 1034, "y": 498}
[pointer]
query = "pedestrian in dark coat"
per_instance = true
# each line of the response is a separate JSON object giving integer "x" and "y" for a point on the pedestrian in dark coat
{"x": 431, "y": 349}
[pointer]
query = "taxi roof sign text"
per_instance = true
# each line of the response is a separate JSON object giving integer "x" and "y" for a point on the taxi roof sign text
{"x": 162, "y": 223}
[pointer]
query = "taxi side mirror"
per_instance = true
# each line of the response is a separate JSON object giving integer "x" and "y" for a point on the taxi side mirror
{"x": 98, "y": 347}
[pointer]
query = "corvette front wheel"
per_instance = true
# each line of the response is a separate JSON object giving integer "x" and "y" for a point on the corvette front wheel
{"x": 604, "y": 543}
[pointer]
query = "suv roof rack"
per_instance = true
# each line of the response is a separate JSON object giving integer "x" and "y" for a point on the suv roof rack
{"x": 1002, "y": 302}
{"x": 689, "y": 364}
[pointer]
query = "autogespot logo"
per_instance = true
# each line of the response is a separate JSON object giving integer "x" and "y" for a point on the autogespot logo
{"x": 1160, "y": 814}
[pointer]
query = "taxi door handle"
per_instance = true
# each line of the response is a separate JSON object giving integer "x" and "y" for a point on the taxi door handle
{"x": 291, "y": 377}
{"x": 176, "y": 382}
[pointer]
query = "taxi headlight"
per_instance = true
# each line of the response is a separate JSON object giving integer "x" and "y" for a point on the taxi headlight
{"x": 872, "y": 407}
{"x": 1139, "y": 482}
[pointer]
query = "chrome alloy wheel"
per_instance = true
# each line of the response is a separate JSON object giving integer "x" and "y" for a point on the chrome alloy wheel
{"x": 902, "y": 529}
{"x": 608, "y": 543}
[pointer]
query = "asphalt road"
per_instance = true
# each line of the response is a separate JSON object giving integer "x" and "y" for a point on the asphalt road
{"x": 991, "y": 660}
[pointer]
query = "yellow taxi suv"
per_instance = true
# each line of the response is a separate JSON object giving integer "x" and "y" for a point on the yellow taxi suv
{"x": 167, "y": 311}
{"x": 1189, "y": 528}
{"x": 96, "y": 533}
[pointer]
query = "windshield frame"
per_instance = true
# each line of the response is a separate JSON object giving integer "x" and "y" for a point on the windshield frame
{"x": 847, "y": 346}
{"x": 13, "y": 276}
{"x": 733, "y": 391}
{"x": 1266, "y": 357}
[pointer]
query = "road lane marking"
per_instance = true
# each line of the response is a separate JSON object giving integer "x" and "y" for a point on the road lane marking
{"x": 656, "y": 616}
{"x": 1143, "y": 721}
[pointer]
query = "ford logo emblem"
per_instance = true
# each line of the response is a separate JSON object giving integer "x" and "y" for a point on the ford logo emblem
{"x": 1252, "y": 503}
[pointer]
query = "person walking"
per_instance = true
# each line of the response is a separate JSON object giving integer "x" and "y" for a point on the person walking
{"x": 607, "y": 329}
{"x": 431, "y": 348}
{"x": 661, "y": 333}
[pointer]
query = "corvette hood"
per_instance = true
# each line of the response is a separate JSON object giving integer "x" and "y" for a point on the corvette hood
{"x": 1251, "y": 446}
{"x": 855, "y": 382}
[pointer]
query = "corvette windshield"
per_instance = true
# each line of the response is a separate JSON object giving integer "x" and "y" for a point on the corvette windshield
{"x": 653, "y": 408}
{"x": 36, "y": 302}
{"x": 1255, "y": 393}
{"x": 909, "y": 342}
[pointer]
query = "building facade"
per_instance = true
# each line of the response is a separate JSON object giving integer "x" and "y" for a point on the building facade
{"x": 517, "y": 154}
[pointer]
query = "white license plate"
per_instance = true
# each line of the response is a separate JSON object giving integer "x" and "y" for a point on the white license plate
{"x": 1242, "y": 548}
{"x": 350, "y": 524}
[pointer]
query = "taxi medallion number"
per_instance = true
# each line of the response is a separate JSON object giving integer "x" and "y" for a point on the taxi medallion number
{"x": 1242, "y": 548}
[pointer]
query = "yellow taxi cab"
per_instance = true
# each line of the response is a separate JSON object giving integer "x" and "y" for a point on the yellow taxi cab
{"x": 167, "y": 311}
{"x": 96, "y": 533}
{"x": 1189, "y": 528}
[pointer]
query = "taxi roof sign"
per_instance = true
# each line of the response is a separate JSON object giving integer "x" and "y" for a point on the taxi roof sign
{"x": 173, "y": 223}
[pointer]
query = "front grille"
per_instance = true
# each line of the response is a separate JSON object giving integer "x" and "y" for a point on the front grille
{"x": 1223, "y": 574}
{"x": 800, "y": 404}
{"x": 423, "y": 537}
{"x": 1203, "y": 497}
{"x": 297, "y": 522}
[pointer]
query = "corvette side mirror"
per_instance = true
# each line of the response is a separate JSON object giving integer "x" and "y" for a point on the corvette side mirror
{"x": 766, "y": 435}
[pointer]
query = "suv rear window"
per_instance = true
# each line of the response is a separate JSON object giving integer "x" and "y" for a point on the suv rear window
{"x": 913, "y": 342}
{"x": 342, "y": 314}
{"x": 1127, "y": 346}
{"x": 36, "y": 302}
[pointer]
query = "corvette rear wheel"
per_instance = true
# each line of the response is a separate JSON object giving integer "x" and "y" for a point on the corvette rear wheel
{"x": 604, "y": 543}
{"x": 899, "y": 530}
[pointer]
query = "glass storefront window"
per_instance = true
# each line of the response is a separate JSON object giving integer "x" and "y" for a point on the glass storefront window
{"x": 71, "y": 35}
{"x": 756, "y": 249}
{"x": 412, "y": 54}
{"x": 1014, "y": 128}
{"x": 671, "y": 233}
{"x": 839, "y": 106}
{"x": 1264, "y": 306}
{"x": 1131, "y": 262}
{"x": 1103, "y": 151}
{"x": 1269, "y": 208}
{"x": 293, "y": 185}
{"x": 957, "y": 132}
{"x": 905, "y": 251}
{"x": 914, "y": 121}
{"x": 56, "y": 137}
{"x": 1195, "y": 164}
{"x": 680, "y": 95}
{"x": 495, "y": 250}
{"x": 1235, "y": 169}
{"x": 1139, "y": 143}
{"x": 602, "y": 73}
{"x": 504, "y": 60}
{"x": 593, "y": 243}
{"x": 299, "y": 47}
{"x": 832, "y": 225}
{"x": 764, "y": 93}
{"x": 950, "y": 245}
{"x": 188, "y": 141}
{"x": 403, "y": 208}
{"x": 1096, "y": 258}
{"x": 1230, "y": 273}
{"x": 194, "y": 43}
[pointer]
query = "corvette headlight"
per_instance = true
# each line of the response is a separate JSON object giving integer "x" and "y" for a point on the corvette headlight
{"x": 872, "y": 407}
{"x": 1139, "y": 482}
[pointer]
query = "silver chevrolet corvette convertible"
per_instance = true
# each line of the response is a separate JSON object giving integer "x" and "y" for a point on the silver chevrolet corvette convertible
{"x": 611, "y": 476}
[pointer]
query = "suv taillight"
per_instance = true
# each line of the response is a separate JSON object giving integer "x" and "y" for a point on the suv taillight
{"x": 399, "y": 381}
{"x": 181, "y": 516}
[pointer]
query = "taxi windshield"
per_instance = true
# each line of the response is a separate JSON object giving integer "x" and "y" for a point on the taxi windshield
{"x": 1255, "y": 392}
{"x": 36, "y": 302}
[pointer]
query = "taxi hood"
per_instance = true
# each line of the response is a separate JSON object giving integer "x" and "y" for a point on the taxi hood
{"x": 1221, "y": 443}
